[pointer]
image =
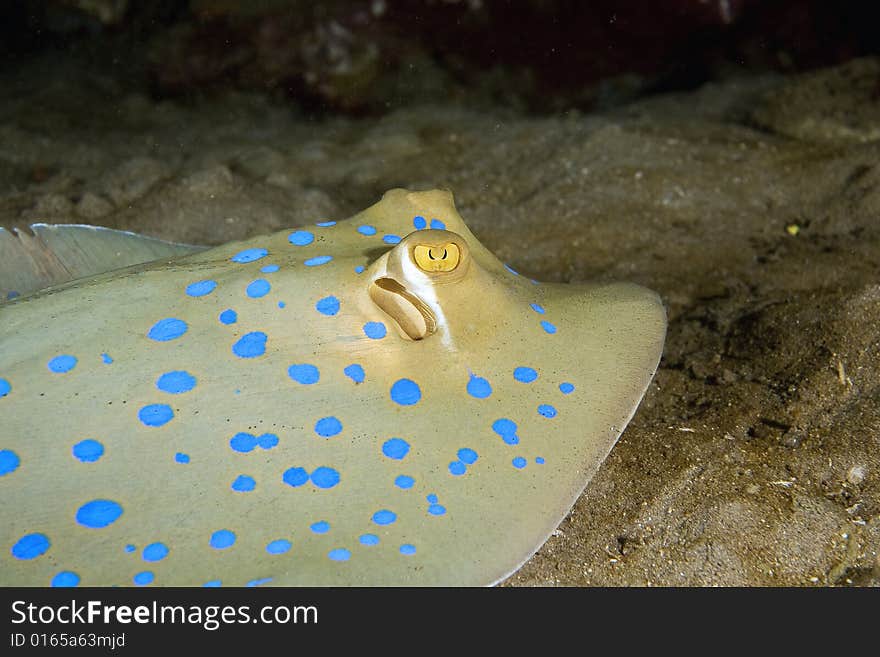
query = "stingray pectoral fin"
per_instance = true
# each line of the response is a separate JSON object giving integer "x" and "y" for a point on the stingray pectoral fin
{"x": 412, "y": 314}
{"x": 59, "y": 253}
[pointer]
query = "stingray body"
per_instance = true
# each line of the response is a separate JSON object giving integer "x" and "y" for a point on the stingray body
{"x": 375, "y": 401}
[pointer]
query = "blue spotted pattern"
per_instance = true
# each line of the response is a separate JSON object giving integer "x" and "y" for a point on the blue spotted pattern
{"x": 301, "y": 238}
{"x": 304, "y": 373}
{"x": 88, "y": 451}
{"x": 367, "y": 230}
{"x": 144, "y": 578}
{"x": 478, "y": 387}
{"x": 62, "y": 364}
{"x": 467, "y": 455}
{"x": 155, "y": 415}
{"x": 5, "y": 387}
{"x": 384, "y": 517}
{"x": 243, "y": 484}
{"x": 355, "y": 372}
{"x": 180, "y": 457}
{"x": 339, "y": 554}
{"x": 167, "y": 329}
{"x": 548, "y": 327}
{"x": 65, "y": 578}
{"x": 525, "y": 374}
{"x": 279, "y": 546}
{"x": 250, "y": 345}
{"x": 368, "y": 539}
{"x": 98, "y": 513}
{"x": 176, "y": 382}
{"x": 201, "y": 288}
{"x": 547, "y": 410}
{"x": 30, "y": 546}
{"x": 375, "y": 330}
{"x": 328, "y": 427}
{"x": 9, "y": 461}
{"x": 295, "y": 477}
{"x": 395, "y": 448}
{"x": 328, "y": 306}
{"x": 249, "y": 255}
{"x": 228, "y": 316}
{"x": 391, "y": 239}
{"x": 246, "y": 442}
{"x": 519, "y": 462}
{"x": 506, "y": 429}
{"x": 324, "y": 477}
{"x": 222, "y": 539}
{"x": 436, "y": 224}
{"x": 155, "y": 552}
{"x": 258, "y": 288}
{"x": 406, "y": 392}
{"x": 566, "y": 388}
{"x": 419, "y": 222}
{"x": 270, "y": 269}
{"x": 407, "y": 549}
{"x": 318, "y": 260}
{"x": 320, "y": 527}
{"x": 404, "y": 482}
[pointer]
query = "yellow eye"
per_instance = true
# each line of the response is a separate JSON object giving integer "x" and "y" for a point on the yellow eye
{"x": 437, "y": 258}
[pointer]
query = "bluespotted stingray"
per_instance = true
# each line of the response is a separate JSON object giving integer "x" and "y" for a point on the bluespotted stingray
{"x": 374, "y": 401}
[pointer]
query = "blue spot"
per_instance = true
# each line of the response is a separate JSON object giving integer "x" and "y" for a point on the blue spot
{"x": 176, "y": 382}
{"x": 104, "y": 357}
{"x": 9, "y": 461}
{"x": 5, "y": 387}
{"x": 328, "y": 426}
{"x": 369, "y": 539}
{"x": 279, "y": 546}
{"x": 62, "y": 364}
{"x": 511, "y": 270}
{"x": 12, "y": 294}
{"x": 325, "y": 224}
{"x": 419, "y": 222}
{"x": 355, "y": 372}
{"x": 519, "y": 462}
{"x": 457, "y": 468}
{"x": 155, "y": 552}
{"x": 167, "y": 329}
{"x": 270, "y": 269}
{"x": 155, "y": 415}
{"x": 375, "y": 330}
{"x": 222, "y": 539}
{"x": 30, "y": 546}
{"x": 436, "y": 224}
{"x": 407, "y": 549}
{"x": 537, "y": 308}
{"x": 318, "y": 260}
{"x": 249, "y": 255}
{"x": 258, "y": 288}
{"x": 301, "y": 238}
{"x": 539, "y": 460}
{"x": 201, "y": 288}
{"x": 384, "y": 517}
{"x": 98, "y": 513}
{"x": 244, "y": 484}
{"x": 214, "y": 583}
{"x": 258, "y": 582}
{"x": 65, "y": 578}
{"x": 144, "y": 578}
{"x": 566, "y": 388}
{"x": 467, "y": 455}
{"x": 282, "y": 304}
{"x": 304, "y": 373}
{"x": 525, "y": 374}
{"x": 295, "y": 476}
{"x": 436, "y": 509}
{"x": 228, "y": 316}
{"x": 367, "y": 230}
{"x": 320, "y": 527}
{"x": 432, "y": 498}
{"x": 478, "y": 387}
{"x": 548, "y": 327}
{"x": 547, "y": 410}
{"x": 391, "y": 239}
{"x": 328, "y": 306}
{"x": 130, "y": 548}
{"x": 243, "y": 442}
{"x": 339, "y": 554}
{"x": 267, "y": 441}
{"x": 250, "y": 345}
{"x": 504, "y": 427}
{"x": 404, "y": 482}
{"x": 324, "y": 477}
{"x": 359, "y": 269}
{"x": 405, "y": 392}
{"x": 395, "y": 448}
{"x": 180, "y": 457}
{"x": 88, "y": 451}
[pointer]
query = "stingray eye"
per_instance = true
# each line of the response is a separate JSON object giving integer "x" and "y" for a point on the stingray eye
{"x": 437, "y": 258}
